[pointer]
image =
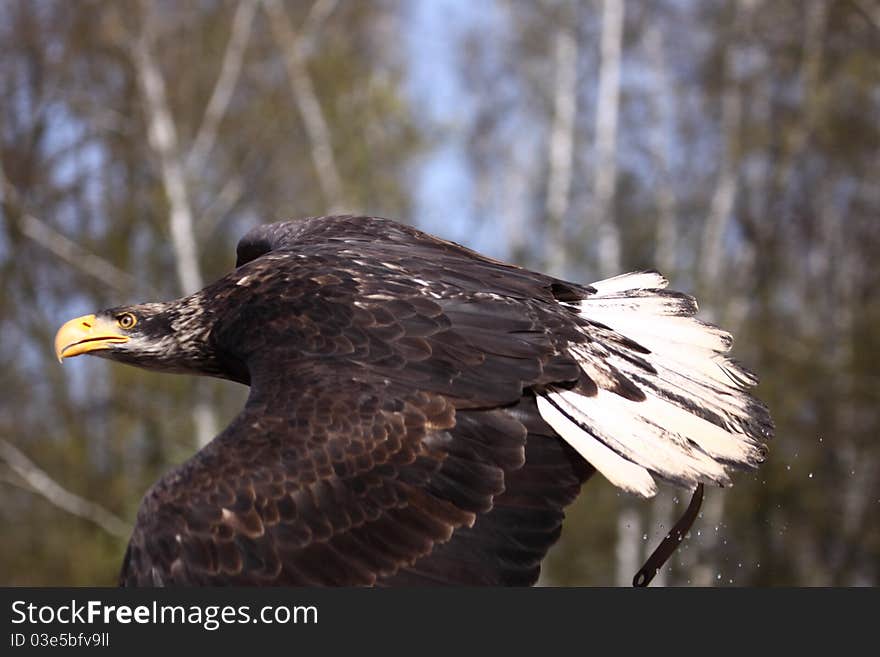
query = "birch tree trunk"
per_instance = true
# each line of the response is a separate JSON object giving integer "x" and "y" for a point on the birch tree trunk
{"x": 629, "y": 550}
{"x": 603, "y": 228}
{"x": 602, "y": 224}
{"x": 163, "y": 139}
{"x": 666, "y": 249}
{"x": 711, "y": 262}
{"x": 561, "y": 150}
{"x": 705, "y": 571}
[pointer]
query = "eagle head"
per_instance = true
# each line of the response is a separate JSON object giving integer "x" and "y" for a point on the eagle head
{"x": 172, "y": 336}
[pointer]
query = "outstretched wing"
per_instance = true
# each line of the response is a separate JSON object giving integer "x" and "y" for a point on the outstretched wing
{"x": 368, "y": 503}
{"x": 417, "y": 412}
{"x": 382, "y": 423}
{"x": 656, "y": 394}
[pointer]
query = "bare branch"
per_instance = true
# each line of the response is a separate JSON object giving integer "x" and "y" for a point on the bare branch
{"x": 8, "y": 477}
{"x": 870, "y": 14}
{"x": 226, "y": 81}
{"x": 230, "y": 194}
{"x": 72, "y": 253}
{"x": 44, "y": 485}
{"x": 309, "y": 107}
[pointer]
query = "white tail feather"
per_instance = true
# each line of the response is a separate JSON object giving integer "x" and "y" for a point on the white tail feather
{"x": 695, "y": 417}
{"x": 620, "y": 424}
{"x": 637, "y": 280}
{"x": 615, "y": 468}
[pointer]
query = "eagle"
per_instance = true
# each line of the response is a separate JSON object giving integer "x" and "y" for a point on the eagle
{"x": 419, "y": 413}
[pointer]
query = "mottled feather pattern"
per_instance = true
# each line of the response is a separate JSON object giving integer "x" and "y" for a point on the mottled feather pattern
{"x": 421, "y": 414}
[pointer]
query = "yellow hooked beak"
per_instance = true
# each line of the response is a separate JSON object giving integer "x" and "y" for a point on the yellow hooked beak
{"x": 85, "y": 334}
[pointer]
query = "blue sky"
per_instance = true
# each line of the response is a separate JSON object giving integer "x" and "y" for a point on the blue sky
{"x": 444, "y": 198}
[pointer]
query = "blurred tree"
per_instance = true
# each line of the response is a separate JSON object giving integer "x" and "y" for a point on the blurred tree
{"x": 735, "y": 147}
{"x": 139, "y": 141}
{"x": 747, "y": 139}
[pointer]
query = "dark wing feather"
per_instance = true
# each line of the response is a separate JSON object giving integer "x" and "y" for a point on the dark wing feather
{"x": 403, "y": 394}
{"x": 450, "y": 268}
{"x": 387, "y": 417}
{"x": 351, "y": 487}
{"x": 505, "y": 546}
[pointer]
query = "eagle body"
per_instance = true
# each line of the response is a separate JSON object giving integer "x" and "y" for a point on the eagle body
{"x": 419, "y": 414}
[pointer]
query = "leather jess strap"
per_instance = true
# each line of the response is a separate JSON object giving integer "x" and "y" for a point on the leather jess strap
{"x": 671, "y": 542}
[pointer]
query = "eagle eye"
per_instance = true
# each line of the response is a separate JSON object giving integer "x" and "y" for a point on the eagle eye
{"x": 126, "y": 321}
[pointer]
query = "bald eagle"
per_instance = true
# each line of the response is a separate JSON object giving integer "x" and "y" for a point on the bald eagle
{"x": 419, "y": 414}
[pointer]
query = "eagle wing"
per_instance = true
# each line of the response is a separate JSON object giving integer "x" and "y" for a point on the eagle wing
{"x": 422, "y": 416}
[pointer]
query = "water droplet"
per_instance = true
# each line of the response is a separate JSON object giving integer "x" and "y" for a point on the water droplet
{"x": 811, "y": 475}
{"x": 788, "y": 467}
{"x": 675, "y": 500}
{"x": 644, "y": 537}
{"x": 719, "y": 576}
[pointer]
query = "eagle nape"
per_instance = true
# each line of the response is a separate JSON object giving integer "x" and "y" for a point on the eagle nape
{"x": 419, "y": 414}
